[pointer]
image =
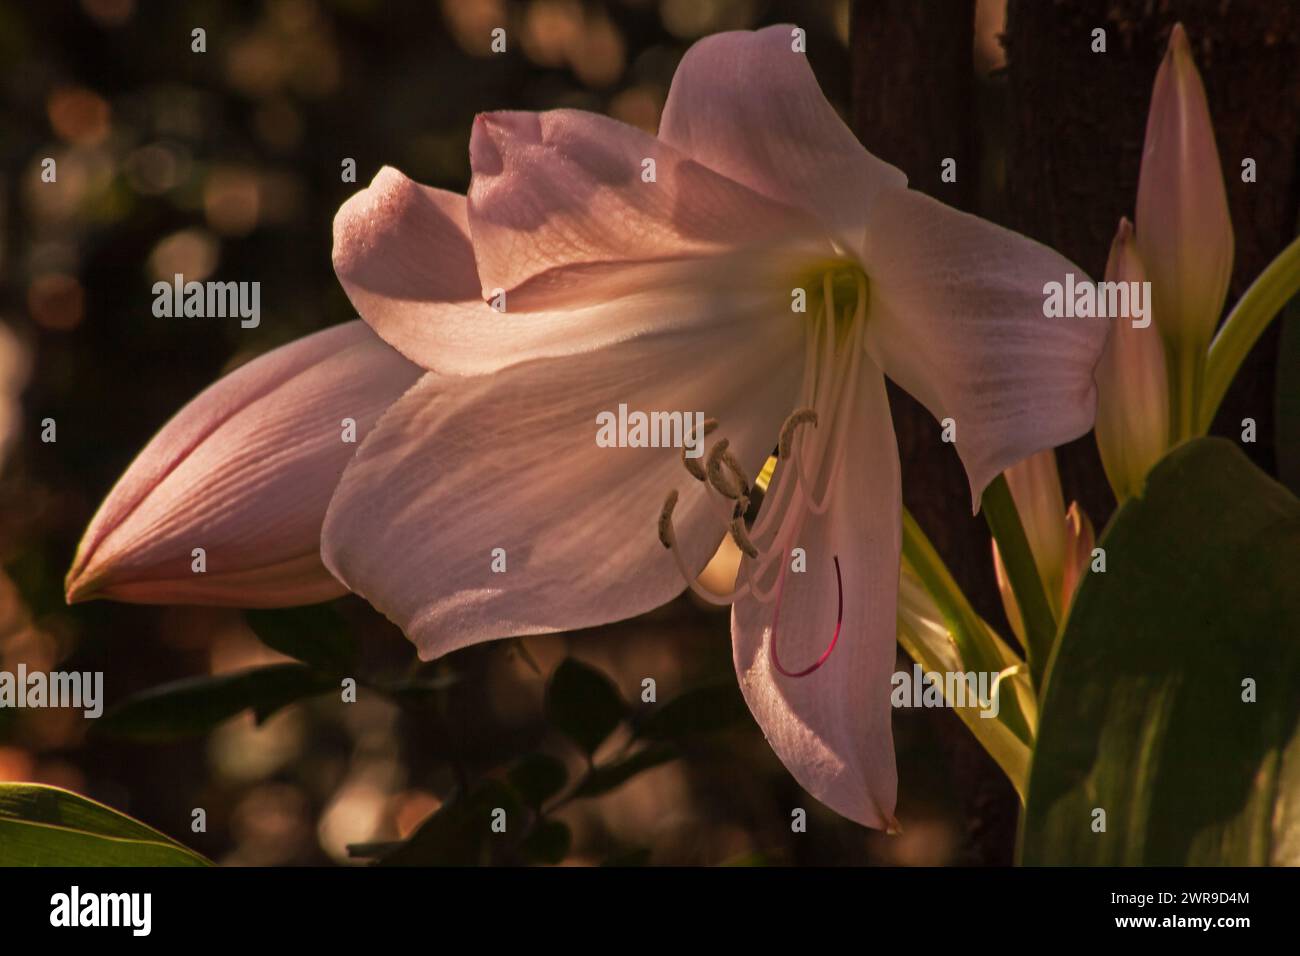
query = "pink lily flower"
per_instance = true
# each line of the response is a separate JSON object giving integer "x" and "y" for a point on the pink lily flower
{"x": 242, "y": 473}
{"x": 665, "y": 273}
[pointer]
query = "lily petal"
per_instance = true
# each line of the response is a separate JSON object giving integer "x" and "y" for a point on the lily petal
{"x": 402, "y": 253}
{"x": 957, "y": 319}
{"x": 747, "y": 105}
{"x": 831, "y": 728}
{"x": 510, "y": 461}
{"x": 570, "y": 190}
{"x": 245, "y": 472}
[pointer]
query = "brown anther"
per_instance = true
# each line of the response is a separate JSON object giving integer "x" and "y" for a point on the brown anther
{"x": 799, "y": 416}
{"x": 693, "y": 464}
{"x": 666, "y": 534}
{"x": 723, "y": 482}
{"x": 738, "y": 470}
{"x": 741, "y": 538}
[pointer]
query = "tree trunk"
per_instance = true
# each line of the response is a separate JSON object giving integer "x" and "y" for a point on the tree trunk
{"x": 913, "y": 106}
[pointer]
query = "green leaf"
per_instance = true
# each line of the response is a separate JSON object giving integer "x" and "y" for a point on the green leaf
{"x": 930, "y": 641}
{"x": 583, "y": 703}
{"x": 538, "y": 777}
{"x": 1143, "y": 713}
{"x": 700, "y": 711}
{"x": 196, "y": 705}
{"x": 49, "y": 826}
{"x": 548, "y": 843}
{"x": 459, "y": 833}
{"x": 1265, "y": 298}
{"x": 316, "y": 635}
{"x": 1287, "y": 440}
{"x": 606, "y": 778}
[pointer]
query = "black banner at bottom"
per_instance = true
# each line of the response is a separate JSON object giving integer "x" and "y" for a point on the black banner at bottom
{"x": 548, "y": 906}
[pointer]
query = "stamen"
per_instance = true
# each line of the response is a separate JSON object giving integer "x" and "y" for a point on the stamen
{"x": 724, "y": 483}
{"x": 839, "y": 621}
{"x": 741, "y": 538}
{"x": 799, "y": 416}
{"x": 668, "y": 538}
{"x": 842, "y": 393}
{"x": 738, "y": 470}
{"x": 693, "y": 464}
{"x": 666, "y": 535}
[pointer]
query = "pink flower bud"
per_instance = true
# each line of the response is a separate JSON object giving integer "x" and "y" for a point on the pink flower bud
{"x": 1132, "y": 390}
{"x": 225, "y": 505}
{"x": 1183, "y": 230}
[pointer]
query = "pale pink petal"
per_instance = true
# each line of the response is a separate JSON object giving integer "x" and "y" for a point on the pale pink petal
{"x": 831, "y": 728}
{"x": 402, "y": 253}
{"x": 748, "y": 106}
{"x": 957, "y": 319}
{"x": 245, "y": 472}
{"x": 569, "y": 190}
{"x": 459, "y": 468}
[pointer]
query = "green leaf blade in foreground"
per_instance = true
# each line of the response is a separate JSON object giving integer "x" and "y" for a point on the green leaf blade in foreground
{"x": 49, "y": 826}
{"x": 1143, "y": 713}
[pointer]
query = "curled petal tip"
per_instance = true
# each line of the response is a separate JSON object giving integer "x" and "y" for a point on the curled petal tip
{"x": 493, "y": 134}
{"x": 387, "y": 199}
{"x": 892, "y": 826}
